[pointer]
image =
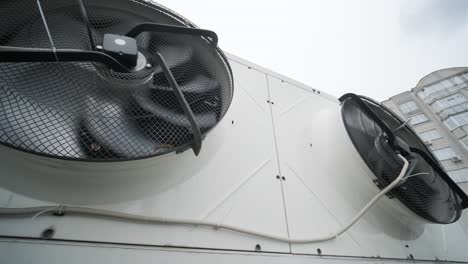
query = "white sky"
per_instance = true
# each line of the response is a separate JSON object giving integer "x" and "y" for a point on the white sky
{"x": 372, "y": 47}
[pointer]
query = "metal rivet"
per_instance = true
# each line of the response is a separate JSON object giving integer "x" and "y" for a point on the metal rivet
{"x": 48, "y": 233}
{"x": 319, "y": 251}
{"x": 283, "y": 178}
{"x": 232, "y": 122}
{"x": 278, "y": 177}
{"x": 258, "y": 247}
{"x": 407, "y": 246}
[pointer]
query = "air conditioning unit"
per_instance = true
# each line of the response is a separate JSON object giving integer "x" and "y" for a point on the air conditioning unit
{"x": 101, "y": 100}
{"x": 456, "y": 159}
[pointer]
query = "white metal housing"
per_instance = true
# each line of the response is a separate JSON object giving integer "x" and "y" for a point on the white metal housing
{"x": 280, "y": 162}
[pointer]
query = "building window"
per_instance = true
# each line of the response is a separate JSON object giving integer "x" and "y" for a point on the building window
{"x": 409, "y": 107}
{"x": 446, "y": 83}
{"x": 464, "y": 77}
{"x": 464, "y": 142}
{"x": 457, "y": 120}
{"x": 450, "y": 123}
{"x": 459, "y": 175}
{"x": 449, "y": 102}
{"x": 444, "y": 153}
{"x": 442, "y": 88}
{"x": 418, "y": 119}
{"x": 430, "y": 135}
{"x": 458, "y": 80}
{"x": 429, "y": 90}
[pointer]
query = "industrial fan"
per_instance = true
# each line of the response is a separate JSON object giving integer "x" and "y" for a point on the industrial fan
{"x": 379, "y": 136}
{"x": 107, "y": 79}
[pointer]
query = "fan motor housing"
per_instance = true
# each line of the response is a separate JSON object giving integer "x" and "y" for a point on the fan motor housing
{"x": 122, "y": 48}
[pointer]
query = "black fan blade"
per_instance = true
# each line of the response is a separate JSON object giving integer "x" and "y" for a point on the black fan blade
{"x": 146, "y": 39}
{"x": 174, "y": 56}
{"x": 107, "y": 122}
{"x": 108, "y": 20}
{"x": 203, "y": 120}
{"x": 200, "y": 84}
{"x": 60, "y": 26}
{"x": 30, "y": 105}
{"x": 13, "y": 24}
{"x": 20, "y": 120}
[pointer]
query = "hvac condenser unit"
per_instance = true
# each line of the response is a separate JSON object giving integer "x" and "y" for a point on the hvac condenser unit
{"x": 100, "y": 101}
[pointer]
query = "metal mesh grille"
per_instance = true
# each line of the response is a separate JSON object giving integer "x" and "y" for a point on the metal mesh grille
{"x": 85, "y": 111}
{"x": 427, "y": 195}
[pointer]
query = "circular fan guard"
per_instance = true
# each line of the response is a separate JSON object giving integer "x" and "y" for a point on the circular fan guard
{"x": 89, "y": 111}
{"x": 379, "y": 135}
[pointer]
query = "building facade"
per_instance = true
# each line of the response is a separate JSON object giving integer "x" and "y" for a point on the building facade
{"x": 438, "y": 112}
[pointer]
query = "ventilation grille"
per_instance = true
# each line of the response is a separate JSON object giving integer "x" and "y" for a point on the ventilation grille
{"x": 84, "y": 110}
{"x": 428, "y": 195}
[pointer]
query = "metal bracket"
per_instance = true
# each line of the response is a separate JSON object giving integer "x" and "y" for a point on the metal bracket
{"x": 17, "y": 54}
{"x": 161, "y": 28}
{"x": 197, "y": 136}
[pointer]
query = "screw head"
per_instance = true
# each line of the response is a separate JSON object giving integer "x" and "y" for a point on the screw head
{"x": 258, "y": 247}
{"x": 48, "y": 233}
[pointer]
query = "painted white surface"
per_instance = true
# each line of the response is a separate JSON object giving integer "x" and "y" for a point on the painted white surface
{"x": 298, "y": 135}
{"x": 71, "y": 253}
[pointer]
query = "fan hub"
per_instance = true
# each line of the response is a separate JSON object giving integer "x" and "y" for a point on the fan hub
{"x": 121, "y": 48}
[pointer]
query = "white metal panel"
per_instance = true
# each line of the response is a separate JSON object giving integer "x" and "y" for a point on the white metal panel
{"x": 328, "y": 183}
{"x": 25, "y": 252}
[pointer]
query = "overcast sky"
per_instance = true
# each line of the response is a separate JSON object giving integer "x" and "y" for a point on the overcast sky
{"x": 372, "y": 47}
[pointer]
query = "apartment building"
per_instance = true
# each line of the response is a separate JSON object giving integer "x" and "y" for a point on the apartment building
{"x": 438, "y": 111}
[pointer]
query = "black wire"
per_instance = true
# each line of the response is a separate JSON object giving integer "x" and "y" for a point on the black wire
{"x": 86, "y": 21}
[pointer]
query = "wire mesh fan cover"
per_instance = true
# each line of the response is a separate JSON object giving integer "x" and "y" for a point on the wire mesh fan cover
{"x": 85, "y": 111}
{"x": 427, "y": 195}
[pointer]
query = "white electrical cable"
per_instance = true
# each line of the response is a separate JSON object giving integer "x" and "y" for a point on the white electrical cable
{"x": 61, "y": 209}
